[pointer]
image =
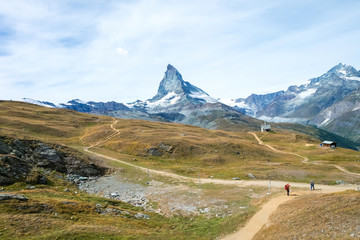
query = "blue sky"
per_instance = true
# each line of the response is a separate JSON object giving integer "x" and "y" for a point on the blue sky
{"x": 105, "y": 50}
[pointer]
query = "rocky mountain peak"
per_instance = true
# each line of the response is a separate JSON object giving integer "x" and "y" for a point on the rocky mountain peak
{"x": 173, "y": 87}
{"x": 171, "y": 68}
{"x": 343, "y": 71}
{"x": 171, "y": 82}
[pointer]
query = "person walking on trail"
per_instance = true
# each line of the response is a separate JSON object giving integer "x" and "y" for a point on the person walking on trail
{"x": 312, "y": 185}
{"x": 287, "y": 188}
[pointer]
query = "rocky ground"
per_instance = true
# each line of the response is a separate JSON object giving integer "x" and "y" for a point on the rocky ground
{"x": 163, "y": 198}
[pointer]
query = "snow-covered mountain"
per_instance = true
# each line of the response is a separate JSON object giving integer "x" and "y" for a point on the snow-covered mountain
{"x": 328, "y": 100}
{"x": 180, "y": 101}
{"x": 173, "y": 93}
{"x": 252, "y": 104}
{"x": 303, "y": 102}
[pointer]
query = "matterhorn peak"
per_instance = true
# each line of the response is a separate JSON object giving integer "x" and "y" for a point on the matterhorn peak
{"x": 171, "y": 68}
{"x": 173, "y": 89}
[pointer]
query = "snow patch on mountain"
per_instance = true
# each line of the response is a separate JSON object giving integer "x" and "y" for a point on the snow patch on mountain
{"x": 327, "y": 118}
{"x": 306, "y": 93}
{"x": 170, "y": 99}
{"x": 234, "y": 103}
{"x": 41, "y": 103}
{"x": 202, "y": 96}
{"x": 356, "y": 108}
{"x": 353, "y": 78}
{"x": 300, "y": 98}
{"x": 283, "y": 120}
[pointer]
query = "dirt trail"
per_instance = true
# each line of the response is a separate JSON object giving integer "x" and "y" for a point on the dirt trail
{"x": 260, "y": 218}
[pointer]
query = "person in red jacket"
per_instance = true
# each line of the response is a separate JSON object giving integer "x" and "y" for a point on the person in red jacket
{"x": 287, "y": 188}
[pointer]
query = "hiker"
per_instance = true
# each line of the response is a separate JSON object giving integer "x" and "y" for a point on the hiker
{"x": 287, "y": 188}
{"x": 312, "y": 185}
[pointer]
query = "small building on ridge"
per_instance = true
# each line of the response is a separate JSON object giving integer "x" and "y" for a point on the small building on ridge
{"x": 330, "y": 144}
{"x": 265, "y": 127}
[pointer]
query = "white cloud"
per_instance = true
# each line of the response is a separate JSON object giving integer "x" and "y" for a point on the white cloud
{"x": 70, "y": 49}
{"x": 122, "y": 51}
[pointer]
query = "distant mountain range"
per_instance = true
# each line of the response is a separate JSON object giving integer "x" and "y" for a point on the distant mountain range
{"x": 330, "y": 102}
{"x": 176, "y": 101}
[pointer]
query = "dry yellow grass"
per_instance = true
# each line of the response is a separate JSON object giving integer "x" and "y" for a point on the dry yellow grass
{"x": 23, "y": 120}
{"x": 328, "y": 216}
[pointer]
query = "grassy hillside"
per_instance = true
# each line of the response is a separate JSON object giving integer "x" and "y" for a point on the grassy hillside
{"x": 184, "y": 149}
{"x": 191, "y": 151}
{"x": 330, "y": 216}
{"x": 24, "y": 120}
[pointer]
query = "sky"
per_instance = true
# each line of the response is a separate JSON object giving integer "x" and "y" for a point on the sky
{"x": 118, "y": 50}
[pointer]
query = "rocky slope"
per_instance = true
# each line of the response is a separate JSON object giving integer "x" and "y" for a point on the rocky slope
{"x": 31, "y": 160}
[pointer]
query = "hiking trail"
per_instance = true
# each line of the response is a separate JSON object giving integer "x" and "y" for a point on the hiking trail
{"x": 306, "y": 160}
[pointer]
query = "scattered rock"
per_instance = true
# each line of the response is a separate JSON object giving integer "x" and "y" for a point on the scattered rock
{"x": 250, "y": 175}
{"x": 204, "y": 210}
{"x": 125, "y": 212}
{"x": 66, "y": 190}
{"x": 141, "y": 215}
{"x": 114, "y": 194}
{"x": 155, "y": 152}
{"x": 340, "y": 182}
{"x": 235, "y": 178}
{"x": 6, "y": 196}
{"x": 43, "y": 180}
{"x": 165, "y": 147}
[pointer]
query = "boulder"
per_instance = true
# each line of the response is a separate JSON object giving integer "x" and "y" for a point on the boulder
{"x": 155, "y": 152}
